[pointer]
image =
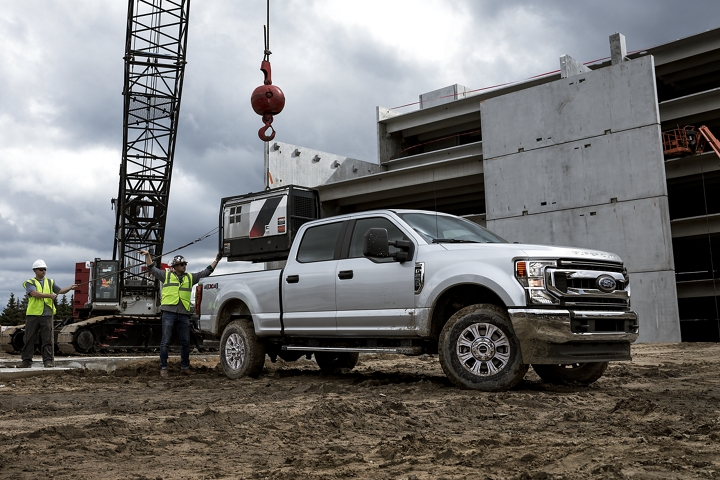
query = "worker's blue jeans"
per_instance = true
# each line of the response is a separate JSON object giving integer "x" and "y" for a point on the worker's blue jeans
{"x": 181, "y": 323}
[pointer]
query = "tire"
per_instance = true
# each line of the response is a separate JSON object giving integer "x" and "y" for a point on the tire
{"x": 241, "y": 353}
{"x": 18, "y": 339}
{"x": 572, "y": 374}
{"x": 84, "y": 341}
{"x": 479, "y": 350}
{"x": 330, "y": 362}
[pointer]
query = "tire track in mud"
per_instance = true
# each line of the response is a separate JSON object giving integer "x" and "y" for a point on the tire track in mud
{"x": 389, "y": 418}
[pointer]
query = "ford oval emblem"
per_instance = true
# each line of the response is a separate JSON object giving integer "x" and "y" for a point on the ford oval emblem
{"x": 606, "y": 283}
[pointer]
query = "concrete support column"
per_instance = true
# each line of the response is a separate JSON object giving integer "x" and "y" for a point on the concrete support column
{"x": 569, "y": 67}
{"x": 618, "y": 50}
{"x": 389, "y": 144}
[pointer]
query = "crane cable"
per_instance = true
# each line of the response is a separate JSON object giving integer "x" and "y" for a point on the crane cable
{"x": 203, "y": 237}
{"x": 266, "y": 34}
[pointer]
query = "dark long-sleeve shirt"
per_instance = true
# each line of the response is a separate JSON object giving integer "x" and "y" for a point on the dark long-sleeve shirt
{"x": 160, "y": 275}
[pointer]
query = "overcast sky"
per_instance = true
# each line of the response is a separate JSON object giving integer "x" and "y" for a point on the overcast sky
{"x": 61, "y": 78}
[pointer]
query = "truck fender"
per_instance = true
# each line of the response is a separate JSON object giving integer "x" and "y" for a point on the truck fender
{"x": 507, "y": 289}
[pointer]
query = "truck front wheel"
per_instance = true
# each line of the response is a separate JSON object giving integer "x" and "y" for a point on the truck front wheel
{"x": 241, "y": 353}
{"x": 479, "y": 349}
{"x": 574, "y": 373}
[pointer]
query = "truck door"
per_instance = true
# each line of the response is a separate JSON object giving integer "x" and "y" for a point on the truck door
{"x": 374, "y": 294}
{"x": 308, "y": 283}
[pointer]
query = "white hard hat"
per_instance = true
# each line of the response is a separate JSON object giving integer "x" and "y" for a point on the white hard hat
{"x": 39, "y": 264}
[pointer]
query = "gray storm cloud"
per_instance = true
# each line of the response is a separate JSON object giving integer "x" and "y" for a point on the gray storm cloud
{"x": 61, "y": 73}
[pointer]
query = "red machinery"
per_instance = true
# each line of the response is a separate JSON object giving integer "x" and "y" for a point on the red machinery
{"x": 688, "y": 140}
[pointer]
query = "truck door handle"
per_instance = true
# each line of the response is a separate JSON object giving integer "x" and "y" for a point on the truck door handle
{"x": 292, "y": 278}
{"x": 345, "y": 274}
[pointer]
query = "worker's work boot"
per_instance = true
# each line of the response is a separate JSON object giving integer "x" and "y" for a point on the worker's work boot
{"x": 48, "y": 364}
{"x": 163, "y": 372}
{"x": 25, "y": 364}
{"x": 185, "y": 371}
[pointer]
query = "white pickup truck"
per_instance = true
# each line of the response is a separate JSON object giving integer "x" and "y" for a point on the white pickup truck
{"x": 416, "y": 282}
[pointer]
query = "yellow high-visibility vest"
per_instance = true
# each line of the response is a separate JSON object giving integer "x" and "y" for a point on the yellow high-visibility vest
{"x": 36, "y": 306}
{"x": 174, "y": 290}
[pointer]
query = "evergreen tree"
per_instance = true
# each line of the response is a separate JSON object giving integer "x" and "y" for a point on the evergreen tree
{"x": 13, "y": 314}
{"x": 23, "y": 306}
{"x": 64, "y": 309}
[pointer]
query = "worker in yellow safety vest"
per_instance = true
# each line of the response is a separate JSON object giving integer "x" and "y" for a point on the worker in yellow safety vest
{"x": 175, "y": 306}
{"x": 41, "y": 293}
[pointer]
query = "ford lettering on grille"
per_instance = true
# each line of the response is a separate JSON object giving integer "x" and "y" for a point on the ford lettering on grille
{"x": 606, "y": 283}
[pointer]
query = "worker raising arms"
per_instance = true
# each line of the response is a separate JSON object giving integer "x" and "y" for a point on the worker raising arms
{"x": 176, "y": 292}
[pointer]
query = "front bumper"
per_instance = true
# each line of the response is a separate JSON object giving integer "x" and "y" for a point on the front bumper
{"x": 571, "y": 336}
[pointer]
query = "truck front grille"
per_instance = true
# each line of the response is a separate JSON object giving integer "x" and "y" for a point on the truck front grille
{"x": 575, "y": 283}
{"x": 562, "y": 283}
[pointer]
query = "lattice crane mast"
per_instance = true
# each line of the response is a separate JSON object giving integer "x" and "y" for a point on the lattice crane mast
{"x": 155, "y": 58}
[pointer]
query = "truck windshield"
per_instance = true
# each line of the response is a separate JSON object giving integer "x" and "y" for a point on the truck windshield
{"x": 448, "y": 229}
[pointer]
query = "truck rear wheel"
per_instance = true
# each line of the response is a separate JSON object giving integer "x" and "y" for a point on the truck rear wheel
{"x": 330, "y": 362}
{"x": 479, "y": 350}
{"x": 241, "y": 353}
{"x": 574, "y": 373}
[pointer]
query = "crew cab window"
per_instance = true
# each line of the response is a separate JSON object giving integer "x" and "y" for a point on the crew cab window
{"x": 318, "y": 243}
{"x": 365, "y": 224}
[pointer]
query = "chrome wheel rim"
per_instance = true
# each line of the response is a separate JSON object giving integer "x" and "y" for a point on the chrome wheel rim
{"x": 235, "y": 351}
{"x": 483, "y": 349}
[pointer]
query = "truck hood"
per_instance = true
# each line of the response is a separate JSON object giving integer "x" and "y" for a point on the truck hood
{"x": 537, "y": 251}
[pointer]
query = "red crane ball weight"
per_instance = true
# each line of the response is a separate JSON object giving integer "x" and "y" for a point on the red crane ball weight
{"x": 267, "y": 100}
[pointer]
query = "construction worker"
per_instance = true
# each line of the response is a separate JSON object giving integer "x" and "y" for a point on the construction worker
{"x": 176, "y": 291}
{"x": 42, "y": 293}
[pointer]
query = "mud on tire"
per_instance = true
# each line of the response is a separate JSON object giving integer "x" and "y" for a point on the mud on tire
{"x": 479, "y": 350}
{"x": 572, "y": 374}
{"x": 241, "y": 352}
{"x": 330, "y": 362}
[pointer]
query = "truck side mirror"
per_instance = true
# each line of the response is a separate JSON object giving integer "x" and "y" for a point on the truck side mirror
{"x": 375, "y": 243}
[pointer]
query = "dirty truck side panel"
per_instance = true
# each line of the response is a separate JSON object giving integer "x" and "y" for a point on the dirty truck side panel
{"x": 308, "y": 291}
{"x": 375, "y": 297}
{"x": 249, "y": 293}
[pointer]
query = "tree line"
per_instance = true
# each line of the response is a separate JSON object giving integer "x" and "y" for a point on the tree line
{"x": 14, "y": 311}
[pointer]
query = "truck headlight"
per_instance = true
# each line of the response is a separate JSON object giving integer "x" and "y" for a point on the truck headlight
{"x": 531, "y": 275}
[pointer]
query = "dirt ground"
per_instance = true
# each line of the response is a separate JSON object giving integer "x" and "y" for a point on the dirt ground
{"x": 393, "y": 417}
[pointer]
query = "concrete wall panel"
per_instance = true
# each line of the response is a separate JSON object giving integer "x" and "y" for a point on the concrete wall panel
{"x": 287, "y": 164}
{"x": 654, "y": 298}
{"x": 638, "y": 231}
{"x": 610, "y": 99}
{"x": 576, "y": 174}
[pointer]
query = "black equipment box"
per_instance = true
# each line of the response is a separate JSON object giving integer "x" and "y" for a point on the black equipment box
{"x": 260, "y": 227}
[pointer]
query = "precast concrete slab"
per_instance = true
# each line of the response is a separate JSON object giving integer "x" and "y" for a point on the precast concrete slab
{"x": 579, "y": 162}
{"x": 611, "y": 99}
{"x": 637, "y": 230}
{"x": 9, "y": 368}
{"x": 287, "y": 164}
{"x": 576, "y": 174}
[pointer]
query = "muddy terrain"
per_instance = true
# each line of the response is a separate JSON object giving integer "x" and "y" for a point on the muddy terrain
{"x": 657, "y": 417}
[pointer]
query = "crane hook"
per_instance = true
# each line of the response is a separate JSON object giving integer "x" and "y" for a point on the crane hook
{"x": 267, "y": 120}
{"x": 267, "y": 99}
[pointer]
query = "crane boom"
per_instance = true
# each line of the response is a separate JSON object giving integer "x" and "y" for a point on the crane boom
{"x": 155, "y": 58}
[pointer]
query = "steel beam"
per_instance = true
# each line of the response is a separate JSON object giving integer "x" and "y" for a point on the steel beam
{"x": 387, "y": 183}
{"x": 690, "y": 105}
{"x": 698, "y": 288}
{"x": 693, "y": 226}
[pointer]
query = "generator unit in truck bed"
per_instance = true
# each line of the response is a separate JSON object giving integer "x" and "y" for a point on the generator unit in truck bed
{"x": 260, "y": 227}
